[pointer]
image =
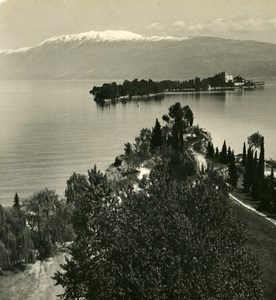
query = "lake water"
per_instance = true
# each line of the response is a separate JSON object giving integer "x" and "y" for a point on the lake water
{"x": 49, "y": 129}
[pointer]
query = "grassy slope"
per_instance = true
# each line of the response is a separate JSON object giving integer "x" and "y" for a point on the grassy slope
{"x": 262, "y": 241}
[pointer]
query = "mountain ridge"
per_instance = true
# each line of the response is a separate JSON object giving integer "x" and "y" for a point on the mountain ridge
{"x": 123, "y": 54}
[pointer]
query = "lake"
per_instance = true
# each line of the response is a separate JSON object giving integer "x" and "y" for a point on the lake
{"x": 49, "y": 129}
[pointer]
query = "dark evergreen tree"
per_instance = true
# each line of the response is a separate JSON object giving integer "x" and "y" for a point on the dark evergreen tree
{"x": 157, "y": 137}
{"x": 255, "y": 188}
{"x": 229, "y": 154}
{"x": 217, "y": 153}
{"x": 223, "y": 154}
{"x": 233, "y": 171}
{"x": 248, "y": 176}
{"x": 16, "y": 203}
{"x": 75, "y": 184}
{"x": 128, "y": 149}
{"x": 210, "y": 150}
{"x": 178, "y": 117}
{"x": 188, "y": 115}
{"x": 128, "y": 153}
{"x": 261, "y": 161}
{"x": 244, "y": 156}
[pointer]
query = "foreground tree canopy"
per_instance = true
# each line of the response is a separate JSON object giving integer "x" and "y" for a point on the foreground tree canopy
{"x": 171, "y": 240}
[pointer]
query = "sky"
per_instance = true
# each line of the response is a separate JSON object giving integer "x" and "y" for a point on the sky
{"x": 25, "y": 23}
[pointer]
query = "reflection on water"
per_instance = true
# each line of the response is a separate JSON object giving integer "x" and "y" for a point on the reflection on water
{"x": 49, "y": 129}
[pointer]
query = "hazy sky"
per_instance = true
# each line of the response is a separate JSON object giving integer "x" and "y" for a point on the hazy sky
{"x": 28, "y": 22}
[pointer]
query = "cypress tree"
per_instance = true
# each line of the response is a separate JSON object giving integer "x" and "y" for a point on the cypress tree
{"x": 233, "y": 171}
{"x": 255, "y": 165}
{"x": 223, "y": 154}
{"x": 157, "y": 137}
{"x": 255, "y": 191}
{"x": 261, "y": 162}
{"x": 229, "y": 155}
{"x": 244, "y": 155}
{"x": 16, "y": 204}
{"x": 210, "y": 149}
{"x": 217, "y": 153}
{"x": 248, "y": 171}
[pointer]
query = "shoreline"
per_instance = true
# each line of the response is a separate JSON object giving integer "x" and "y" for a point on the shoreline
{"x": 182, "y": 92}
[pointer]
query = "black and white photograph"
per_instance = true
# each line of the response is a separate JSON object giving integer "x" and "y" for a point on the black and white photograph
{"x": 137, "y": 150}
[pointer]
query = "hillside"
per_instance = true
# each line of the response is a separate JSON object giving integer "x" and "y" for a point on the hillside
{"x": 121, "y": 54}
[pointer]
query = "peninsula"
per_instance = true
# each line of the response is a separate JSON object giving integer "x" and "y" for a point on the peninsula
{"x": 143, "y": 89}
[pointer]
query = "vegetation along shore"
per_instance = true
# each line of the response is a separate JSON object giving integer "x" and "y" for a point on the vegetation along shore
{"x": 142, "y": 89}
{"x": 159, "y": 224}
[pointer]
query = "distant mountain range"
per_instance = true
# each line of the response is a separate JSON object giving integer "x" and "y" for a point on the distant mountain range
{"x": 126, "y": 55}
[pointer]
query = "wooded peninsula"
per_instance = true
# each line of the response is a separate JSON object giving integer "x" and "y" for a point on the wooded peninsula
{"x": 142, "y": 89}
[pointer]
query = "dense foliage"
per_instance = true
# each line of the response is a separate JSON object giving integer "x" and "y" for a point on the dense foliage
{"x": 169, "y": 241}
{"x": 49, "y": 219}
{"x": 33, "y": 229}
{"x": 16, "y": 244}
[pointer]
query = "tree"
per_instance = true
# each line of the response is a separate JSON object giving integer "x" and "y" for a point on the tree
{"x": 75, "y": 185}
{"x": 255, "y": 140}
{"x": 233, "y": 172}
{"x": 244, "y": 155}
{"x": 40, "y": 211}
{"x": 248, "y": 176}
{"x": 15, "y": 238}
{"x": 256, "y": 185}
{"x": 157, "y": 137}
{"x": 16, "y": 203}
{"x": 93, "y": 218}
{"x": 229, "y": 154}
{"x": 223, "y": 154}
{"x": 142, "y": 143}
{"x": 217, "y": 153}
{"x": 128, "y": 153}
{"x": 261, "y": 161}
{"x": 210, "y": 149}
{"x": 170, "y": 241}
{"x": 181, "y": 118}
{"x": 188, "y": 114}
{"x": 128, "y": 149}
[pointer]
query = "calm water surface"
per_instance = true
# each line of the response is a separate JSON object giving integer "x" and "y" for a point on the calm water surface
{"x": 49, "y": 129}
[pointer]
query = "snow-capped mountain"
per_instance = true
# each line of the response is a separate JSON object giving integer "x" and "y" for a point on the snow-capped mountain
{"x": 110, "y": 36}
{"x": 124, "y": 54}
{"x": 96, "y": 37}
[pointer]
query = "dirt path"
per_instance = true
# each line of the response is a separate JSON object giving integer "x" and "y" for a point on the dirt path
{"x": 35, "y": 283}
{"x": 200, "y": 160}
